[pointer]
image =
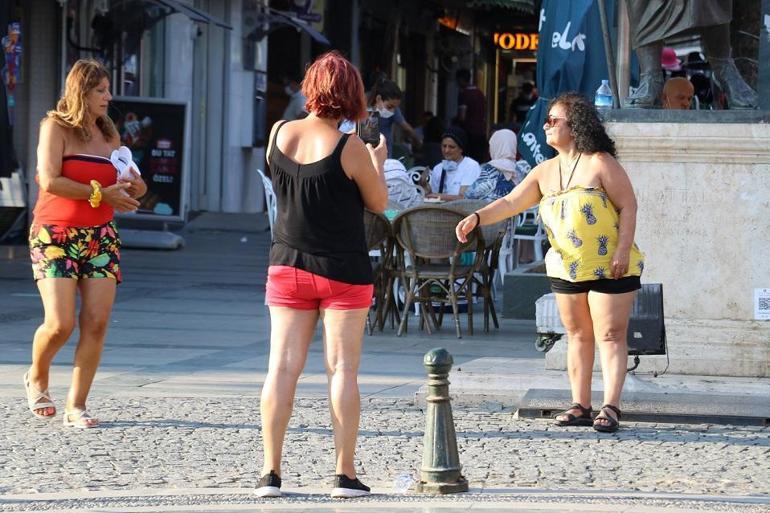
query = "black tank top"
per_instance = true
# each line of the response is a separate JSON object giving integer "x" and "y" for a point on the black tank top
{"x": 319, "y": 225}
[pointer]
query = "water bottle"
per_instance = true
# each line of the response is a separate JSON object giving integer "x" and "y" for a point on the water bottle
{"x": 603, "y": 99}
{"x": 403, "y": 481}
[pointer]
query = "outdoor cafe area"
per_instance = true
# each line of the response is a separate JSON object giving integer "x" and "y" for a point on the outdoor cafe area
{"x": 424, "y": 275}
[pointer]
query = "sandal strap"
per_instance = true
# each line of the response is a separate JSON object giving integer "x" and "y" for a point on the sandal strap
{"x": 34, "y": 396}
{"x": 584, "y": 412}
{"x": 613, "y": 408}
{"x": 79, "y": 414}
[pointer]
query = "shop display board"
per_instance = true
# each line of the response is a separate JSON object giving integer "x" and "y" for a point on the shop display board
{"x": 155, "y": 131}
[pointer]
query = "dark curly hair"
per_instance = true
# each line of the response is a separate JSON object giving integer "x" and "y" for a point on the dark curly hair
{"x": 585, "y": 123}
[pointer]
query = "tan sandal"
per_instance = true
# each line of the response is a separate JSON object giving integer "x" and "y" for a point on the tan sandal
{"x": 79, "y": 419}
{"x": 38, "y": 399}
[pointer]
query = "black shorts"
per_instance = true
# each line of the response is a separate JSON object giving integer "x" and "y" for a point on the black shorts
{"x": 605, "y": 286}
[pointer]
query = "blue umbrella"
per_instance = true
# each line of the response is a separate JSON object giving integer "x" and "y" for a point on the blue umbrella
{"x": 570, "y": 57}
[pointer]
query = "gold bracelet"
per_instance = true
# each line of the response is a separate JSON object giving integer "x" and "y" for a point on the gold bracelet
{"x": 96, "y": 194}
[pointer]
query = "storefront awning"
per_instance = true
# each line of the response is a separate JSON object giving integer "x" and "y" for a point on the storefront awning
{"x": 274, "y": 19}
{"x": 527, "y": 6}
{"x": 192, "y": 13}
{"x": 129, "y": 10}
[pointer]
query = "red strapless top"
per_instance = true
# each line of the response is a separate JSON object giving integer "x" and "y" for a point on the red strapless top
{"x": 53, "y": 209}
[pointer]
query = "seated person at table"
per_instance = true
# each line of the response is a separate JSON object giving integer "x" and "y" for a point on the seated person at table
{"x": 501, "y": 174}
{"x": 401, "y": 189}
{"x": 452, "y": 176}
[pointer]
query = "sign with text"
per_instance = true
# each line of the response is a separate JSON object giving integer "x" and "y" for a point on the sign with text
{"x": 762, "y": 304}
{"x": 154, "y": 130}
{"x": 516, "y": 41}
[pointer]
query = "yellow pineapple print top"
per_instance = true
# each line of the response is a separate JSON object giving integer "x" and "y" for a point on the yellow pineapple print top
{"x": 582, "y": 227}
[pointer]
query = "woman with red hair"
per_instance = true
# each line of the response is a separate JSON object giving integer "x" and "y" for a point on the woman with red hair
{"x": 319, "y": 263}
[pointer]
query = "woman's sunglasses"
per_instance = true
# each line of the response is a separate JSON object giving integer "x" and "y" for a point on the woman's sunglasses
{"x": 551, "y": 120}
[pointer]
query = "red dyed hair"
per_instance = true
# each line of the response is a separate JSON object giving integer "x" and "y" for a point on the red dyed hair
{"x": 334, "y": 89}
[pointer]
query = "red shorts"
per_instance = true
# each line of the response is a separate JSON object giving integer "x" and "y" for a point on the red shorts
{"x": 296, "y": 288}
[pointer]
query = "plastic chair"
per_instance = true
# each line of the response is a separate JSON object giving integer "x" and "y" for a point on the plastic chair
{"x": 529, "y": 227}
{"x": 270, "y": 202}
{"x": 506, "y": 253}
{"x": 418, "y": 173}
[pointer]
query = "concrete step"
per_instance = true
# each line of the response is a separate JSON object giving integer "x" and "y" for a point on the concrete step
{"x": 660, "y": 407}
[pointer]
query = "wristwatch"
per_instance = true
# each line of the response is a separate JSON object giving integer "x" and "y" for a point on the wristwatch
{"x": 96, "y": 194}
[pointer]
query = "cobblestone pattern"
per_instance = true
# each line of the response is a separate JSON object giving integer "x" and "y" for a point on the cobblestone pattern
{"x": 208, "y": 443}
{"x": 379, "y": 503}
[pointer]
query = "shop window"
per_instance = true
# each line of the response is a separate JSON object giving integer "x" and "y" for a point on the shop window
{"x": 130, "y": 43}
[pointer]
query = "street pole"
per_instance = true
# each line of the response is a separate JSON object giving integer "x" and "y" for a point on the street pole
{"x": 440, "y": 471}
{"x": 624, "y": 51}
{"x": 763, "y": 75}
{"x": 608, "y": 54}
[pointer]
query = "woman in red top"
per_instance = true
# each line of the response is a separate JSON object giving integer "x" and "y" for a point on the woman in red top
{"x": 73, "y": 240}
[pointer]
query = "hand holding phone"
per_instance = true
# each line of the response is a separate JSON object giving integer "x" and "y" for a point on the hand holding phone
{"x": 368, "y": 129}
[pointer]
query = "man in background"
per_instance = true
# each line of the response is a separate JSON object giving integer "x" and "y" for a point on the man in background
{"x": 471, "y": 116}
{"x": 677, "y": 94}
{"x": 296, "y": 107}
{"x": 521, "y": 104}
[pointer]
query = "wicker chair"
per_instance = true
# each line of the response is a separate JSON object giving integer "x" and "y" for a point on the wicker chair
{"x": 426, "y": 233}
{"x": 379, "y": 241}
{"x": 492, "y": 238}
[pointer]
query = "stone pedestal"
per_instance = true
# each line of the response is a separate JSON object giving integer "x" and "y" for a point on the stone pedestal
{"x": 703, "y": 191}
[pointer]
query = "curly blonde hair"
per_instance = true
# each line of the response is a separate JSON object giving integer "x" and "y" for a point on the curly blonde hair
{"x": 72, "y": 110}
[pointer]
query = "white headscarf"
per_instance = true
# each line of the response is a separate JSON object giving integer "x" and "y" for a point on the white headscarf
{"x": 502, "y": 150}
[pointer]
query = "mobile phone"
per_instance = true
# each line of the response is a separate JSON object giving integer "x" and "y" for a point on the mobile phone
{"x": 368, "y": 129}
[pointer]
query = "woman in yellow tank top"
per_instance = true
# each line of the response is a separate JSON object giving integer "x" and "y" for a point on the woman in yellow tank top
{"x": 588, "y": 208}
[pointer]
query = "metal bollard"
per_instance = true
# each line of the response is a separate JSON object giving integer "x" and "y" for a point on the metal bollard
{"x": 440, "y": 471}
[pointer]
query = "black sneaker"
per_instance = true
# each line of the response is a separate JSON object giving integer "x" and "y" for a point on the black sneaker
{"x": 269, "y": 485}
{"x": 344, "y": 487}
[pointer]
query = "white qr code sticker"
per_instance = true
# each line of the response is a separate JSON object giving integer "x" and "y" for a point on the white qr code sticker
{"x": 762, "y": 304}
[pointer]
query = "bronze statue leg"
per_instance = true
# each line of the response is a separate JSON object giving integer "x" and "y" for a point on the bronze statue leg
{"x": 648, "y": 93}
{"x": 716, "y": 46}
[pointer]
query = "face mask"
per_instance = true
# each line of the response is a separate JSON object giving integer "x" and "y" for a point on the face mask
{"x": 449, "y": 165}
{"x": 347, "y": 126}
{"x": 385, "y": 113}
{"x": 288, "y": 90}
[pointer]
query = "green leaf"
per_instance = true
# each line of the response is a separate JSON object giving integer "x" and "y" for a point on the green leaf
{"x": 100, "y": 260}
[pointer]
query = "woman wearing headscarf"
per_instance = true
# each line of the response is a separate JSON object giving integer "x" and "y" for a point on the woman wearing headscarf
{"x": 501, "y": 174}
{"x": 450, "y": 178}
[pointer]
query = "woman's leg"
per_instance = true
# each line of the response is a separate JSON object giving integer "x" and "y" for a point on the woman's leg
{"x": 610, "y": 313}
{"x": 97, "y": 296}
{"x": 576, "y": 318}
{"x": 59, "y": 298}
{"x": 343, "y": 335}
{"x": 291, "y": 331}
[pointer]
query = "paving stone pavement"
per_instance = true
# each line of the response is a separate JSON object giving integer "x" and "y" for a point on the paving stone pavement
{"x": 200, "y": 442}
{"x": 178, "y": 389}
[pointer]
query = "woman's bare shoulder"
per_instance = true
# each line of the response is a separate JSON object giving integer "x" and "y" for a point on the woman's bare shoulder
{"x": 114, "y": 141}
{"x": 602, "y": 157}
{"x": 543, "y": 167}
{"x": 51, "y": 125}
{"x": 54, "y": 134}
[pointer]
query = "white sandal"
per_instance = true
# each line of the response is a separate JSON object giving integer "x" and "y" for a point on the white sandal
{"x": 81, "y": 419}
{"x": 38, "y": 399}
